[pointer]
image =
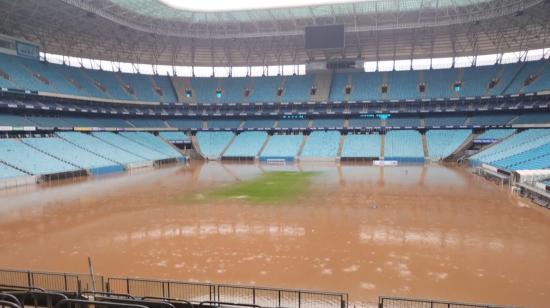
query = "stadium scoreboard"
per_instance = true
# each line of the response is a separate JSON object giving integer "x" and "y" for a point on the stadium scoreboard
{"x": 324, "y": 37}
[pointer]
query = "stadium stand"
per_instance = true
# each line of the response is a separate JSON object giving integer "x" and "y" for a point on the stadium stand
{"x": 15, "y": 120}
{"x": 361, "y": 146}
{"x": 145, "y": 123}
{"x": 403, "y": 121}
{"x": 70, "y": 153}
{"x": 442, "y": 143}
{"x": 175, "y": 137}
{"x": 292, "y": 123}
{"x": 533, "y": 118}
{"x": 212, "y": 144}
{"x": 364, "y": 122}
{"x": 185, "y": 124}
{"x": 404, "y": 145}
{"x": 321, "y": 144}
{"x": 442, "y": 121}
{"x": 515, "y": 144}
{"x": 152, "y": 142}
{"x": 531, "y": 159}
{"x": 246, "y": 145}
{"x": 258, "y": 124}
{"x": 23, "y": 157}
{"x": 328, "y": 123}
{"x": 491, "y": 120}
{"x": 224, "y": 124}
{"x": 130, "y": 146}
{"x": 296, "y": 88}
{"x": 7, "y": 172}
{"x": 282, "y": 147}
{"x": 496, "y": 133}
{"x": 103, "y": 149}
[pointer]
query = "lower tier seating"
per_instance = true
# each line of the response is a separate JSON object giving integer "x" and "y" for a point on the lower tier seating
{"x": 282, "y": 146}
{"x": 361, "y": 146}
{"x": 246, "y": 144}
{"x": 212, "y": 144}
{"x": 443, "y": 142}
{"x": 152, "y": 142}
{"x": 404, "y": 145}
{"x": 9, "y": 172}
{"x": 322, "y": 144}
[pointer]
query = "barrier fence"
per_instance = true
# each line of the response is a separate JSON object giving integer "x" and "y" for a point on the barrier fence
{"x": 401, "y": 302}
{"x": 51, "y": 281}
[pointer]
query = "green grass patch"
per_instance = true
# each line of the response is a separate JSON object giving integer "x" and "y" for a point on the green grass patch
{"x": 270, "y": 187}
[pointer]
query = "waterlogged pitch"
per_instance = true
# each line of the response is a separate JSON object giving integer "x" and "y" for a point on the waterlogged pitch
{"x": 269, "y": 187}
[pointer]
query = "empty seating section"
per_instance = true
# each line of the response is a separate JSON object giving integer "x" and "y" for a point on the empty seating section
{"x": 258, "y": 124}
{"x": 292, "y": 123}
{"x": 442, "y": 143}
{"x": 515, "y": 144}
{"x": 404, "y": 145}
{"x": 165, "y": 85}
{"x": 494, "y": 119}
{"x": 68, "y": 152}
{"x": 104, "y": 149}
{"x": 439, "y": 83}
{"x": 338, "y": 86}
{"x": 246, "y": 144}
{"x": 403, "y": 121}
{"x": 328, "y": 123}
{"x": 264, "y": 89}
{"x": 152, "y": 142}
{"x": 185, "y": 124}
{"x": 322, "y": 144}
{"x": 212, "y": 144}
{"x": 364, "y": 122}
{"x": 154, "y": 123}
{"x": 442, "y": 121}
{"x": 224, "y": 124}
{"x": 496, "y": 133}
{"x": 17, "y": 154}
{"x": 361, "y": 146}
{"x": 475, "y": 80}
{"x": 9, "y": 172}
{"x": 282, "y": 146}
{"x": 14, "y": 120}
{"x": 297, "y": 88}
{"x": 403, "y": 85}
{"x": 533, "y": 118}
{"x": 130, "y": 146}
{"x": 174, "y": 136}
{"x": 531, "y": 159}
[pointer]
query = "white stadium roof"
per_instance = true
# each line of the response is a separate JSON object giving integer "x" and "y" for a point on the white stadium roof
{"x": 151, "y": 31}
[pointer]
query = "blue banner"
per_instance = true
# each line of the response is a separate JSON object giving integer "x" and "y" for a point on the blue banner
{"x": 27, "y": 50}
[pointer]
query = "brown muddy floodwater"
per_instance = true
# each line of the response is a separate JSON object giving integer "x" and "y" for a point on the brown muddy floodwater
{"x": 421, "y": 231}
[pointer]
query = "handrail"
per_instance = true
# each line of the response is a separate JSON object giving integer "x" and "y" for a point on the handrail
{"x": 202, "y": 304}
{"x": 10, "y": 304}
{"x": 108, "y": 293}
{"x": 176, "y": 300}
{"x": 126, "y": 300}
{"x": 10, "y": 296}
{"x": 87, "y": 303}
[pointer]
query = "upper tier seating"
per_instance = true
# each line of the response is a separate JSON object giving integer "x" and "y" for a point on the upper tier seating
{"x": 494, "y": 119}
{"x": 515, "y": 144}
{"x": 9, "y": 172}
{"x": 23, "y": 157}
{"x": 404, "y": 145}
{"x": 328, "y": 123}
{"x": 101, "y": 148}
{"x": 258, "y": 124}
{"x": 130, "y": 146}
{"x": 185, "y": 124}
{"x": 442, "y": 121}
{"x": 14, "y": 120}
{"x": 496, "y": 133}
{"x": 212, "y": 144}
{"x": 222, "y": 124}
{"x": 533, "y": 118}
{"x": 68, "y": 152}
{"x": 282, "y": 146}
{"x": 403, "y": 121}
{"x": 442, "y": 143}
{"x": 152, "y": 142}
{"x": 361, "y": 146}
{"x": 292, "y": 123}
{"x": 264, "y": 89}
{"x": 364, "y": 122}
{"x": 246, "y": 144}
{"x": 296, "y": 88}
{"x": 322, "y": 144}
{"x": 154, "y": 123}
{"x": 174, "y": 136}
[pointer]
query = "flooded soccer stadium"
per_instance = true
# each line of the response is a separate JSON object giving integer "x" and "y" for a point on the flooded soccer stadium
{"x": 428, "y": 231}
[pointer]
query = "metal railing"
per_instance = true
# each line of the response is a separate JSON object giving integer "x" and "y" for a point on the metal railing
{"x": 50, "y": 280}
{"x": 402, "y": 302}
